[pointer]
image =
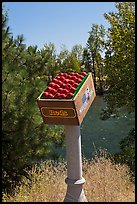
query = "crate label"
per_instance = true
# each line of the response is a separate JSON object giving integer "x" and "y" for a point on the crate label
{"x": 85, "y": 99}
{"x": 58, "y": 112}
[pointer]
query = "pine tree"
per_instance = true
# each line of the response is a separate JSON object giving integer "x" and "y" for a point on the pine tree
{"x": 120, "y": 57}
{"x": 25, "y": 137}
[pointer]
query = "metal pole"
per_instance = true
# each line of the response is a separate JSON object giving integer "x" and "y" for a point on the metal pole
{"x": 74, "y": 178}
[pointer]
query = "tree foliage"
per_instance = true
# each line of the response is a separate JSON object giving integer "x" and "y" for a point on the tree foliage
{"x": 95, "y": 45}
{"x": 120, "y": 72}
{"x": 78, "y": 50}
{"x": 25, "y": 137}
{"x": 26, "y": 72}
{"x": 70, "y": 63}
{"x": 127, "y": 152}
{"x": 120, "y": 57}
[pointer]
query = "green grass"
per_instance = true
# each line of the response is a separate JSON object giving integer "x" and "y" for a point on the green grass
{"x": 106, "y": 134}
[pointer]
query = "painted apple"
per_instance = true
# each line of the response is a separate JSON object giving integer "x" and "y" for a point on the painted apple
{"x": 62, "y": 95}
{"x": 72, "y": 73}
{"x": 56, "y": 86}
{"x": 45, "y": 94}
{"x": 52, "y": 84}
{"x": 71, "y": 82}
{"x": 65, "y": 75}
{"x": 78, "y": 80}
{"x": 50, "y": 95}
{"x": 49, "y": 89}
{"x": 77, "y": 75}
{"x": 64, "y": 85}
{"x": 53, "y": 91}
{"x": 59, "y": 82}
{"x": 70, "y": 95}
{"x": 68, "y": 86}
{"x": 67, "y": 81}
{"x": 62, "y": 78}
{"x": 58, "y": 77}
{"x": 75, "y": 85}
{"x": 61, "y": 74}
{"x": 69, "y": 77}
{"x": 57, "y": 95}
{"x": 55, "y": 80}
{"x": 84, "y": 74}
{"x": 65, "y": 91}
{"x": 81, "y": 77}
{"x": 72, "y": 89}
{"x": 74, "y": 78}
{"x": 60, "y": 90}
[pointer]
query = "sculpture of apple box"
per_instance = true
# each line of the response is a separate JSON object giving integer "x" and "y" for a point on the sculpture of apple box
{"x": 68, "y": 111}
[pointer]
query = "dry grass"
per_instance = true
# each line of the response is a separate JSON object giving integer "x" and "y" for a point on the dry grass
{"x": 105, "y": 182}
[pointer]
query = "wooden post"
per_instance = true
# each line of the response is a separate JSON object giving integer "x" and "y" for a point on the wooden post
{"x": 74, "y": 178}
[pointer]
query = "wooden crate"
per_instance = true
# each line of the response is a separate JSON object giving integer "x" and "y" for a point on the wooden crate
{"x": 68, "y": 111}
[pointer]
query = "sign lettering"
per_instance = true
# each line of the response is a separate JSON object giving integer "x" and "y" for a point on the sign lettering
{"x": 58, "y": 112}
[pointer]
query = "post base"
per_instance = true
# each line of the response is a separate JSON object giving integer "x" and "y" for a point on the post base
{"x": 75, "y": 192}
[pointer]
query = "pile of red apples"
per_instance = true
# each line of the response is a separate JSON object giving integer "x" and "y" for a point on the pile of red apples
{"x": 63, "y": 85}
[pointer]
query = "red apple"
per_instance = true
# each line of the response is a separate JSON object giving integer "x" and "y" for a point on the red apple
{"x": 81, "y": 76}
{"x": 70, "y": 95}
{"x": 66, "y": 86}
{"x": 74, "y": 78}
{"x": 61, "y": 74}
{"x": 65, "y": 75}
{"x": 63, "y": 85}
{"x": 78, "y": 80}
{"x": 66, "y": 81}
{"x": 69, "y": 77}
{"x": 72, "y": 73}
{"x": 59, "y": 83}
{"x": 53, "y": 91}
{"x": 62, "y": 78}
{"x": 57, "y": 95}
{"x": 84, "y": 74}
{"x": 52, "y": 84}
{"x": 45, "y": 94}
{"x": 60, "y": 90}
{"x": 71, "y": 82}
{"x": 75, "y": 85}
{"x": 56, "y": 86}
{"x": 77, "y": 75}
{"x": 55, "y": 80}
{"x": 72, "y": 89}
{"x": 62, "y": 95}
{"x": 51, "y": 95}
{"x": 49, "y": 89}
{"x": 65, "y": 91}
{"x": 57, "y": 77}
